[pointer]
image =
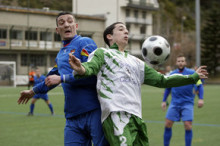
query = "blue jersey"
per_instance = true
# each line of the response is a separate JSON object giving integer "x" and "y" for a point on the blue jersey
{"x": 181, "y": 95}
{"x": 38, "y": 80}
{"x": 80, "y": 94}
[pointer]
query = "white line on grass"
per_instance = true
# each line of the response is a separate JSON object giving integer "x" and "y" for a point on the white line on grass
{"x": 146, "y": 121}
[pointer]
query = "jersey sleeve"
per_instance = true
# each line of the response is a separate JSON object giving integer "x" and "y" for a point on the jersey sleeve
{"x": 154, "y": 78}
{"x": 41, "y": 87}
{"x": 199, "y": 89}
{"x": 166, "y": 94}
{"x": 87, "y": 46}
{"x": 94, "y": 64}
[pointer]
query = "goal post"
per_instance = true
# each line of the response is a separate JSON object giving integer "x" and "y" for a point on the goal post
{"x": 8, "y": 73}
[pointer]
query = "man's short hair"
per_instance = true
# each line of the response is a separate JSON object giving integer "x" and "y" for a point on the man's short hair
{"x": 181, "y": 55}
{"x": 109, "y": 30}
{"x": 63, "y": 13}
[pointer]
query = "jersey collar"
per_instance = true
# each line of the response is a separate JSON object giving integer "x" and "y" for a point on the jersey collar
{"x": 115, "y": 46}
{"x": 67, "y": 42}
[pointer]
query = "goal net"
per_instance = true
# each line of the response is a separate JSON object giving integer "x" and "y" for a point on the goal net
{"x": 7, "y": 73}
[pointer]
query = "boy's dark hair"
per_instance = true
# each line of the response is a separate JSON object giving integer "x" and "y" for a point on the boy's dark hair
{"x": 63, "y": 13}
{"x": 109, "y": 30}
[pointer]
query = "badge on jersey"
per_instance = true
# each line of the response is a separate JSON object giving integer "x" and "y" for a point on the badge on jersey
{"x": 84, "y": 53}
{"x": 72, "y": 51}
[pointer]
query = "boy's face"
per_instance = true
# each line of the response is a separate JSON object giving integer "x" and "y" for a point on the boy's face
{"x": 66, "y": 26}
{"x": 181, "y": 62}
{"x": 120, "y": 35}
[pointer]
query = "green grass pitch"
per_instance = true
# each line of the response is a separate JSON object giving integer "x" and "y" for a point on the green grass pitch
{"x": 17, "y": 129}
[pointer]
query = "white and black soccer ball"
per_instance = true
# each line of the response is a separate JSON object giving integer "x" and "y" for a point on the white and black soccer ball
{"x": 155, "y": 50}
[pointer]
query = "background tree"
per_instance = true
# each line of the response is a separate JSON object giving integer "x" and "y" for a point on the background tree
{"x": 210, "y": 40}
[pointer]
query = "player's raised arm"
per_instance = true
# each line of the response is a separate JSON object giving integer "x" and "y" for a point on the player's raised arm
{"x": 76, "y": 65}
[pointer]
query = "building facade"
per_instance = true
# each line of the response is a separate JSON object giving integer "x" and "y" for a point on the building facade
{"x": 136, "y": 14}
{"x": 28, "y": 36}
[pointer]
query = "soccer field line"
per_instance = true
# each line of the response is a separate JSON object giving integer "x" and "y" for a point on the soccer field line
{"x": 146, "y": 121}
{"x": 180, "y": 123}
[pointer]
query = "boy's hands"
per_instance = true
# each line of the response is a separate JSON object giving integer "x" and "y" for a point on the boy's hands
{"x": 76, "y": 65}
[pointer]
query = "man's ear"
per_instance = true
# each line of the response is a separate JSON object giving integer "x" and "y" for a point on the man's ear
{"x": 109, "y": 37}
{"x": 77, "y": 26}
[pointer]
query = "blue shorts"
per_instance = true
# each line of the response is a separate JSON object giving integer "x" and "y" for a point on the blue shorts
{"x": 177, "y": 113}
{"x": 42, "y": 96}
{"x": 84, "y": 129}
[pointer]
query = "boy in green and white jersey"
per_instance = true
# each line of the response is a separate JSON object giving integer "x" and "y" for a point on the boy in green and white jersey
{"x": 120, "y": 76}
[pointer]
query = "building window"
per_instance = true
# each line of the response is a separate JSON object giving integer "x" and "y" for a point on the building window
{"x": 144, "y": 15}
{"x": 143, "y": 2}
{"x": 57, "y": 37}
{"x": 86, "y": 35}
{"x": 143, "y": 29}
{"x": 45, "y": 36}
{"x": 16, "y": 34}
{"x": 128, "y": 26}
{"x": 3, "y": 33}
{"x": 32, "y": 35}
{"x": 127, "y": 13}
{"x": 35, "y": 60}
{"x": 136, "y": 13}
{"x": 52, "y": 59}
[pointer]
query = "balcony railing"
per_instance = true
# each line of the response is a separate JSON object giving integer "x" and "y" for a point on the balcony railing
{"x": 138, "y": 20}
{"x": 143, "y": 4}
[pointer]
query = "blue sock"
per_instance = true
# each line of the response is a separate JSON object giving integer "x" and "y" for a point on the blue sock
{"x": 32, "y": 108}
{"x": 167, "y": 136}
{"x": 51, "y": 107}
{"x": 188, "y": 137}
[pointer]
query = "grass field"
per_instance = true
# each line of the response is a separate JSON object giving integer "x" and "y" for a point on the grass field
{"x": 16, "y": 129}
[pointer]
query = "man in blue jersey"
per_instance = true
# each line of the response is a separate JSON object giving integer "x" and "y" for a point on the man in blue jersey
{"x": 38, "y": 78}
{"x": 181, "y": 107}
{"x": 82, "y": 108}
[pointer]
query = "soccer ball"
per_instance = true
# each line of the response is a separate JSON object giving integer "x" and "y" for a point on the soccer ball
{"x": 155, "y": 50}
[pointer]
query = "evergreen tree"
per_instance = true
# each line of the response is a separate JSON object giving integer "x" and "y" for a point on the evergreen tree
{"x": 210, "y": 40}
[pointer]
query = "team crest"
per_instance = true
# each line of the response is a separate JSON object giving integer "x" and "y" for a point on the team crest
{"x": 72, "y": 51}
{"x": 84, "y": 53}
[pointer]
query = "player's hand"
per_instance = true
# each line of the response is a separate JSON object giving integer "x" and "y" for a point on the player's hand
{"x": 202, "y": 72}
{"x": 25, "y": 96}
{"x": 52, "y": 80}
{"x": 164, "y": 106}
{"x": 76, "y": 65}
{"x": 200, "y": 103}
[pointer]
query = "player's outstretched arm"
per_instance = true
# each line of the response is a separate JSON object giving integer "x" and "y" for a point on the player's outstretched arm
{"x": 52, "y": 80}
{"x": 25, "y": 96}
{"x": 202, "y": 72}
{"x": 76, "y": 65}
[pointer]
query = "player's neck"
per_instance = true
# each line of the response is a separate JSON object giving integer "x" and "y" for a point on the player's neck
{"x": 181, "y": 69}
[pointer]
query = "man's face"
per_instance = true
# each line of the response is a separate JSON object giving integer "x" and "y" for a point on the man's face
{"x": 181, "y": 62}
{"x": 120, "y": 35}
{"x": 66, "y": 26}
{"x": 38, "y": 73}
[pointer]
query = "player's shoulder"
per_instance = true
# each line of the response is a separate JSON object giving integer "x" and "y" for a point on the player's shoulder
{"x": 174, "y": 71}
{"x": 85, "y": 39}
{"x": 191, "y": 71}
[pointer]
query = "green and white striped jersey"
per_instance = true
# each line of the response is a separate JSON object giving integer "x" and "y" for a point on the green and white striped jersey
{"x": 119, "y": 79}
